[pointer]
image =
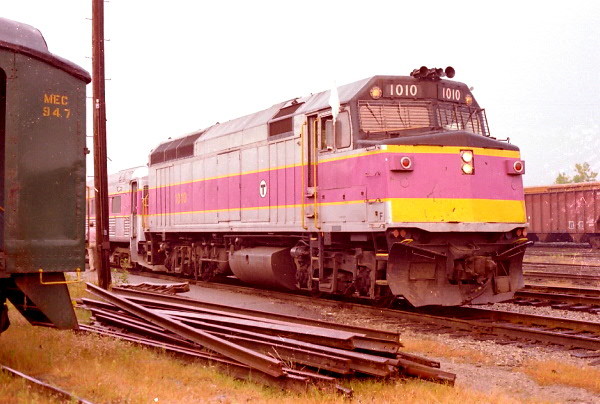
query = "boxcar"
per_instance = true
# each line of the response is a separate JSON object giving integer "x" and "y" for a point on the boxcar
{"x": 569, "y": 213}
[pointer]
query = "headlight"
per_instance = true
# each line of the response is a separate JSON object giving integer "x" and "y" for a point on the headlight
{"x": 466, "y": 155}
{"x": 467, "y": 162}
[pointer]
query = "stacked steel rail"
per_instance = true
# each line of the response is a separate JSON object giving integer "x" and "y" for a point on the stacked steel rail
{"x": 290, "y": 352}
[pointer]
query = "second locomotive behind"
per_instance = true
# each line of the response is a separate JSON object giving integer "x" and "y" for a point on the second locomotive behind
{"x": 398, "y": 190}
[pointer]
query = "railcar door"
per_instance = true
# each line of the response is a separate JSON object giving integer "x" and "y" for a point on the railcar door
{"x": 2, "y": 151}
{"x": 134, "y": 208}
{"x": 163, "y": 197}
{"x": 228, "y": 188}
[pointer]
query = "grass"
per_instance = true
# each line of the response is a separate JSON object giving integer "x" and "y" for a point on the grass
{"x": 112, "y": 371}
{"x": 559, "y": 373}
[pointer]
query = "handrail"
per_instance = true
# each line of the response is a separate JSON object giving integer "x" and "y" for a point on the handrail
{"x": 303, "y": 189}
{"x": 78, "y": 280}
{"x": 144, "y": 211}
{"x": 315, "y": 182}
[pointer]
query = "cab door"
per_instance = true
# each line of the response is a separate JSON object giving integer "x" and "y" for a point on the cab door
{"x": 310, "y": 205}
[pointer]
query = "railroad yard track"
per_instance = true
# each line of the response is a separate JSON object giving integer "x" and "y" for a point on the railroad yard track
{"x": 557, "y": 297}
{"x": 566, "y": 256}
{"x": 577, "y": 266}
{"x": 44, "y": 387}
{"x": 504, "y": 326}
{"x": 569, "y": 277}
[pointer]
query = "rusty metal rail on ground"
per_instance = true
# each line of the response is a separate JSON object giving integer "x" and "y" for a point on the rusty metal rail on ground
{"x": 47, "y": 388}
{"x": 284, "y": 350}
{"x": 245, "y": 356}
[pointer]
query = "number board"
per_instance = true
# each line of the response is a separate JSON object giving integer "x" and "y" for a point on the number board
{"x": 451, "y": 94}
{"x": 402, "y": 90}
{"x": 424, "y": 90}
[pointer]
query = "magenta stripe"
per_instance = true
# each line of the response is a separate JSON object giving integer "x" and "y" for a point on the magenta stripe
{"x": 434, "y": 176}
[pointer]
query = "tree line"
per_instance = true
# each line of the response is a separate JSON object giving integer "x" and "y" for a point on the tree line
{"x": 583, "y": 173}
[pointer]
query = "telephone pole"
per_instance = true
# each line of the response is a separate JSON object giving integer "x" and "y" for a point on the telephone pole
{"x": 102, "y": 249}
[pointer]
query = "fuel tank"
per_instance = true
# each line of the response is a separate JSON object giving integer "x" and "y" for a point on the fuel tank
{"x": 264, "y": 266}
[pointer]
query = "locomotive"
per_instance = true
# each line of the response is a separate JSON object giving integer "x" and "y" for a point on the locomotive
{"x": 42, "y": 180}
{"x": 391, "y": 186}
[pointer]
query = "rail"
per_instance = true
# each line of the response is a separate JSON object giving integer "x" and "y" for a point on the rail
{"x": 55, "y": 391}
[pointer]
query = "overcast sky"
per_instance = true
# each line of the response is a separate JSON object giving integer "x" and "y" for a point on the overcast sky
{"x": 178, "y": 66}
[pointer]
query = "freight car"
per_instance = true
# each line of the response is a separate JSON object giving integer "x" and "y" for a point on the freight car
{"x": 564, "y": 213}
{"x": 389, "y": 186}
{"x": 42, "y": 183}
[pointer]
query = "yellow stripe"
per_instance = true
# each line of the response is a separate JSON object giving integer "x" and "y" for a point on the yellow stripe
{"x": 478, "y": 151}
{"x": 457, "y": 210}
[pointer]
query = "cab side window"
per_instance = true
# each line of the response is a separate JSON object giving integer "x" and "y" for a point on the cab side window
{"x": 334, "y": 139}
{"x": 342, "y": 130}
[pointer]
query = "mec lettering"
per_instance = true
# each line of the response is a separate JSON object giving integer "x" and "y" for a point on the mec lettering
{"x": 56, "y": 99}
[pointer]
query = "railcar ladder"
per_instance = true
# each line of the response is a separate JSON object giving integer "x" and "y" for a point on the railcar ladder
{"x": 318, "y": 280}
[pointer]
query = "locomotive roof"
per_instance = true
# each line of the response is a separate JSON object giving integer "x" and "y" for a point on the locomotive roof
{"x": 183, "y": 146}
{"x": 25, "y": 39}
{"x": 313, "y": 102}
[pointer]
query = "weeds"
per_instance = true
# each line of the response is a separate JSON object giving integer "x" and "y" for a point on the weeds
{"x": 554, "y": 372}
{"x": 107, "y": 370}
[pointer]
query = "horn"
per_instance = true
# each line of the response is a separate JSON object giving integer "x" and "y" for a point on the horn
{"x": 450, "y": 72}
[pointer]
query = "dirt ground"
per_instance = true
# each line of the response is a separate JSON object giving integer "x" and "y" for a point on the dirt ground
{"x": 499, "y": 371}
{"x": 484, "y": 366}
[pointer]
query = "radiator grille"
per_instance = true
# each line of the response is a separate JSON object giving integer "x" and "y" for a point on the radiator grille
{"x": 127, "y": 227}
{"x": 112, "y": 226}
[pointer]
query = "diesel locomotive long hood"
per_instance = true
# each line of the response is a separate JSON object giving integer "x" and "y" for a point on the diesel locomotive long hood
{"x": 447, "y": 138}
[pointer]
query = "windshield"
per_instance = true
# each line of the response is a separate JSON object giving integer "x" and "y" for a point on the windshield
{"x": 386, "y": 119}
